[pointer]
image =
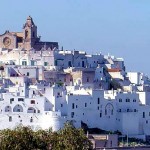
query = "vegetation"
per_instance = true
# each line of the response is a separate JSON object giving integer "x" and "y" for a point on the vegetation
{"x": 24, "y": 138}
{"x": 97, "y": 130}
{"x": 132, "y": 142}
{"x": 60, "y": 83}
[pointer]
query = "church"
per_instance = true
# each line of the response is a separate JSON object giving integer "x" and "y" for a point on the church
{"x": 27, "y": 39}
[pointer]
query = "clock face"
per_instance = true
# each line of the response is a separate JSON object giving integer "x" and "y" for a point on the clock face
{"x": 7, "y": 41}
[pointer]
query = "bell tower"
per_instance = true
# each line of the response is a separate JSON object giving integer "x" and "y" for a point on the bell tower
{"x": 29, "y": 33}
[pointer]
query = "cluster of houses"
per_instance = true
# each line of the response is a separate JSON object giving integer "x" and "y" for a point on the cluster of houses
{"x": 46, "y": 88}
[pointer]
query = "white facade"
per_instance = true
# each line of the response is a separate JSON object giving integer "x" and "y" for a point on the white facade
{"x": 46, "y": 88}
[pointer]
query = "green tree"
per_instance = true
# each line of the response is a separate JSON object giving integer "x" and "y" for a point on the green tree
{"x": 70, "y": 138}
{"x": 19, "y": 139}
{"x": 24, "y": 138}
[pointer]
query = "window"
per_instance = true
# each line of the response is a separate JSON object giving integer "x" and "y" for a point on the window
{"x": 127, "y": 100}
{"x": 18, "y": 108}
{"x": 45, "y": 63}
{"x": 112, "y": 112}
{"x": 19, "y": 40}
{"x": 87, "y": 80}
{"x": 72, "y": 114}
{"x": 38, "y": 111}
{"x": 82, "y": 63}
{"x": 98, "y": 101}
{"x": 61, "y": 105}
{"x": 76, "y": 106}
{"x": 69, "y": 64}
{"x": 27, "y": 73}
{"x": 33, "y": 34}
{"x": 105, "y": 112}
{"x": 120, "y": 100}
{"x": 31, "y": 120}
{"x": 32, "y": 101}
{"x": 26, "y": 34}
{"x": 100, "y": 115}
{"x": 11, "y": 100}
{"x": 143, "y": 114}
{"x": 20, "y": 99}
{"x": 146, "y": 121}
{"x": 98, "y": 107}
{"x": 10, "y": 118}
{"x": 127, "y": 110}
{"x": 32, "y": 62}
{"x": 24, "y": 63}
{"x": 85, "y": 104}
{"x": 55, "y": 62}
{"x": 134, "y": 100}
{"x": 72, "y": 105}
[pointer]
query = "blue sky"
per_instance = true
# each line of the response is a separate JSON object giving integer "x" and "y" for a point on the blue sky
{"x": 117, "y": 27}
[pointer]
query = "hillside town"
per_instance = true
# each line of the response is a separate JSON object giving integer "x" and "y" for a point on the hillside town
{"x": 42, "y": 86}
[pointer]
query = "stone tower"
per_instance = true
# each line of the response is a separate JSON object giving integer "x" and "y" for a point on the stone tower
{"x": 29, "y": 34}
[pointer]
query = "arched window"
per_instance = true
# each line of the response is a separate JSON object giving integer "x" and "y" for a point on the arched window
{"x": 26, "y": 34}
{"x": 18, "y": 108}
{"x": 33, "y": 34}
{"x": 8, "y": 109}
{"x": 109, "y": 109}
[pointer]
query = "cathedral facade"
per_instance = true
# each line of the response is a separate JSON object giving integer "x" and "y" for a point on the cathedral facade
{"x": 27, "y": 39}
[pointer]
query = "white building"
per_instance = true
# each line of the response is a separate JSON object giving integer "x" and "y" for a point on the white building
{"x": 46, "y": 88}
